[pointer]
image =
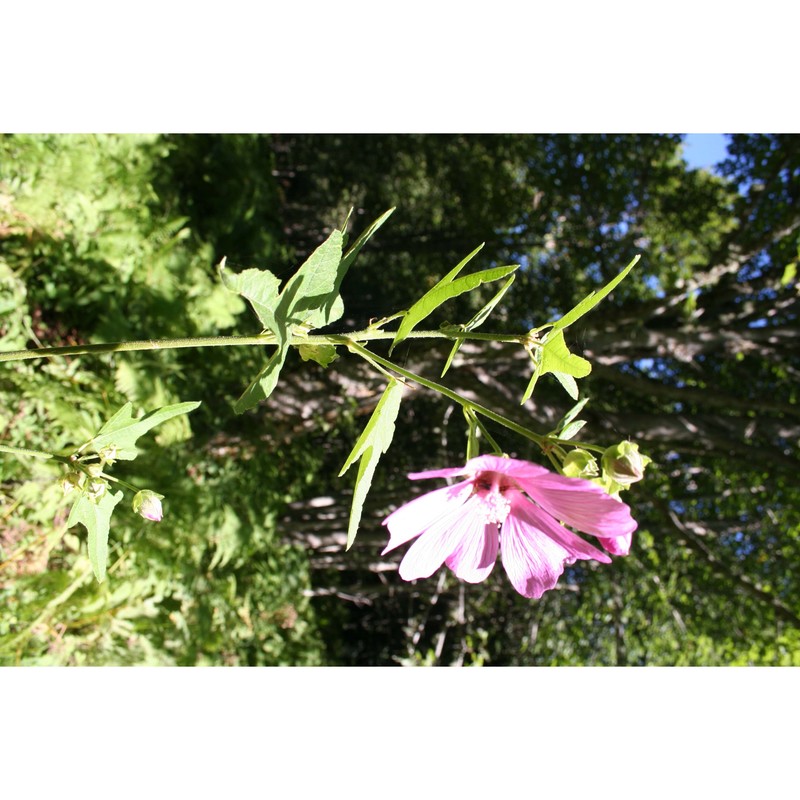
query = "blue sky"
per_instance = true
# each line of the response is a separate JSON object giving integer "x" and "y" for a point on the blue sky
{"x": 704, "y": 149}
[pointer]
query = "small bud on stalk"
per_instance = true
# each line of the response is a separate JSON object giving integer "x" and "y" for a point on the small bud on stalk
{"x": 147, "y": 504}
{"x": 624, "y": 463}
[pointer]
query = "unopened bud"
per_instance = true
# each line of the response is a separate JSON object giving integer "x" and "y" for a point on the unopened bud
{"x": 96, "y": 489}
{"x": 147, "y": 504}
{"x": 580, "y": 464}
{"x": 71, "y": 481}
{"x": 95, "y": 470}
{"x": 624, "y": 463}
{"x": 108, "y": 454}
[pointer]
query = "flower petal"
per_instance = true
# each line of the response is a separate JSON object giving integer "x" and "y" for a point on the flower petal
{"x": 532, "y": 561}
{"x": 438, "y": 542}
{"x": 508, "y": 466}
{"x": 580, "y": 503}
{"x": 618, "y": 545}
{"x": 578, "y": 549}
{"x": 476, "y": 553}
{"x": 414, "y": 517}
{"x": 512, "y": 467}
{"x": 534, "y": 551}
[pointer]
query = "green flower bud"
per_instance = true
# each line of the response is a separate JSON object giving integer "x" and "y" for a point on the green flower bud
{"x": 108, "y": 454}
{"x": 96, "y": 488}
{"x": 147, "y": 504}
{"x": 71, "y": 481}
{"x": 624, "y": 463}
{"x": 580, "y": 464}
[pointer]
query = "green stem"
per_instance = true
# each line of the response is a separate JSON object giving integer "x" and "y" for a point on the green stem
{"x": 119, "y": 481}
{"x": 443, "y": 390}
{"x": 23, "y": 451}
{"x": 236, "y": 341}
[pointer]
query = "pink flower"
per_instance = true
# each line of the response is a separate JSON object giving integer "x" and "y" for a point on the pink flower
{"x": 513, "y": 506}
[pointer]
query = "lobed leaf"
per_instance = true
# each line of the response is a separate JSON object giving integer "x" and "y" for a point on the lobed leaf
{"x": 309, "y": 300}
{"x": 311, "y": 294}
{"x": 477, "y": 320}
{"x": 323, "y": 354}
{"x": 366, "y": 235}
{"x": 446, "y": 289}
{"x": 96, "y": 518}
{"x": 553, "y": 356}
{"x": 258, "y": 287}
{"x": 122, "y": 430}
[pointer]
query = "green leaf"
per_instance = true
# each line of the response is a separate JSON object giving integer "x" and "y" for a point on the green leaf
{"x": 477, "y": 320}
{"x": 265, "y": 382}
{"x": 309, "y": 300}
{"x": 311, "y": 296}
{"x": 351, "y": 254}
{"x": 122, "y": 430}
{"x": 568, "y": 431}
{"x": 556, "y": 357}
{"x": 258, "y": 287}
{"x": 593, "y": 299}
{"x": 553, "y": 356}
{"x": 95, "y": 516}
{"x": 373, "y": 442}
{"x": 323, "y": 354}
{"x": 571, "y": 414}
{"x": 446, "y": 289}
{"x": 568, "y": 382}
{"x": 537, "y": 371}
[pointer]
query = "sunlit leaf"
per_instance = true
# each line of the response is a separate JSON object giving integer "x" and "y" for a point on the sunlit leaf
{"x": 95, "y": 516}
{"x": 311, "y": 296}
{"x": 568, "y": 382}
{"x": 122, "y": 430}
{"x": 571, "y": 414}
{"x": 373, "y": 442}
{"x": 568, "y": 431}
{"x": 553, "y": 356}
{"x": 446, "y": 289}
{"x": 556, "y": 357}
{"x": 589, "y": 302}
{"x": 309, "y": 300}
{"x": 258, "y": 287}
{"x": 477, "y": 320}
{"x": 323, "y": 354}
{"x": 352, "y": 252}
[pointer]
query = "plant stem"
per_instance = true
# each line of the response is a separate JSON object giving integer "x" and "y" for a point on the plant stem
{"x": 237, "y": 341}
{"x": 443, "y": 390}
{"x": 22, "y": 451}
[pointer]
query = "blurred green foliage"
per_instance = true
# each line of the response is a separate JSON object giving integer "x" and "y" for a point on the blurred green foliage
{"x": 91, "y": 252}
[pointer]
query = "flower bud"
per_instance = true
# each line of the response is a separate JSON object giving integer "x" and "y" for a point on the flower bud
{"x": 71, "y": 481}
{"x": 624, "y": 463}
{"x": 108, "y": 455}
{"x": 147, "y": 504}
{"x": 580, "y": 464}
{"x": 96, "y": 488}
{"x": 95, "y": 470}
